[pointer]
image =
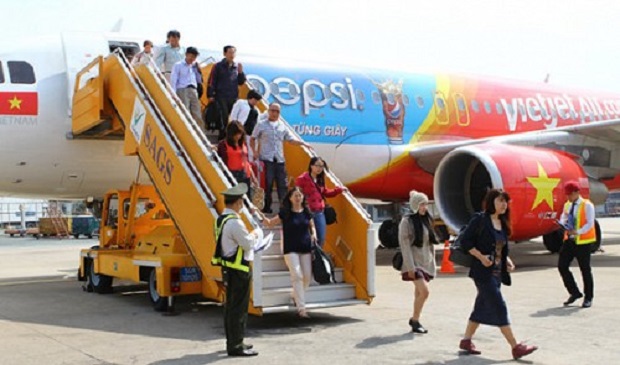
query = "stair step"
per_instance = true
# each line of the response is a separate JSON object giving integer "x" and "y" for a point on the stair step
{"x": 282, "y": 279}
{"x": 311, "y": 306}
{"x": 273, "y": 263}
{"x": 314, "y": 294}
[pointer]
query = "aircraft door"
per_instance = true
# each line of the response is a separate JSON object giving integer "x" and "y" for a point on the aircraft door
{"x": 442, "y": 110}
{"x": 462, "y": 111}
{"x": 79, "y": 50}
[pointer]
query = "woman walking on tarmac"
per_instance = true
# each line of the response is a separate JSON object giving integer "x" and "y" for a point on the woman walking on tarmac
{"x": 416, "y": 239}
{"x": 312, "y": 184}
{"x": 486, "y": 238}
{"x": 298, "y": 236}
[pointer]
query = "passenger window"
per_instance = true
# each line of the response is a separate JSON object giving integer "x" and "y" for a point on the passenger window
{"x": 487, "y": 107}
{"x": 419, "y": 101}
{"x": 522, "y": 109}
{"x": 405, "y": 100}
{"x": 360, "y": 95}
{"x": 21, "y": 72}
{"x": 1, "y": 74}
{"x": 499, "y": 108}
{"x": 440, "y": 104}
{"x": 375, "y": 97}
{"x": 475, "y": 106}
{"x": 509, "y": 109}
{"x": 460, "y": 103}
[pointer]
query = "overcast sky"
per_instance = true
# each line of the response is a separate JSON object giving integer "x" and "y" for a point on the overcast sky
{"x": 577, "y": 41}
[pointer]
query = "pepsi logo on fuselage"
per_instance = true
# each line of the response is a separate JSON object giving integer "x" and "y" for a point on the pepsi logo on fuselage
{"x": 328, "y": 105}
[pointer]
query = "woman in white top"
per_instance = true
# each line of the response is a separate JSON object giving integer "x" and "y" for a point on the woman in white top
{"x": 416, "y": 239}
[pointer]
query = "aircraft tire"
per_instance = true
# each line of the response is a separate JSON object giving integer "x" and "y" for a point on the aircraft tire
{"x": 553, "y": 240}
{"x": 599, "y": 238}
{"x": 388, "y": 234}
{"x": 160, "y": 303}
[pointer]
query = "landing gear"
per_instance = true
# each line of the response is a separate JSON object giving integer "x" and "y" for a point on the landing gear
{"x": 160, "y": 303}
{"x": 553, "y": 240}
{"x": 599, "y": 237}
{"x": 388, "y": 234}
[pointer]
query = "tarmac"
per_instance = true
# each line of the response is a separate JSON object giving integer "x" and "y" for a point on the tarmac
{"x": 46, "y": 318}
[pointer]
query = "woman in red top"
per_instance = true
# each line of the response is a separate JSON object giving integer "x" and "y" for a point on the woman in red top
{"x": 312, "y": 184}
{"x": 234, "y": 152}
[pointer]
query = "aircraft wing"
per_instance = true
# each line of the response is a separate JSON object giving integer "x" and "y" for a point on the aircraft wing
{"x": 429, "y": 154}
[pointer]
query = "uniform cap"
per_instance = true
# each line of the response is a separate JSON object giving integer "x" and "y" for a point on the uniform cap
{"x": 571, "y": 187}
{"x": 237, "y": 190}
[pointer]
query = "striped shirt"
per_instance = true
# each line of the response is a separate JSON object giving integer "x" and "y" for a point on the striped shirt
{"x": 271, "y": 135}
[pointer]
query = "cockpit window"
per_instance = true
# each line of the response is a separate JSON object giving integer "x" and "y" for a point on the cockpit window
{"x": 1, "y": 74}
{"x": 21, "y": 72}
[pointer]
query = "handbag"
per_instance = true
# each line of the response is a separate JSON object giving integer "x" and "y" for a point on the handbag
{"x": 397, "y": 261}
{"x": 330, "y": 214}
{"x": 328, "y": 211}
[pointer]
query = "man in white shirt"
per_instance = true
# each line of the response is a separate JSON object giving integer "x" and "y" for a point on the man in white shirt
{"x": 184, "y": 80}
{"x": 267, "y": 140}
{"x": 234, "y": 251}
{"x": 578, "y": 220}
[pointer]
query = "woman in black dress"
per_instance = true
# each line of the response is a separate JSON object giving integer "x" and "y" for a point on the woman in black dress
{"x": 486, "y": 238}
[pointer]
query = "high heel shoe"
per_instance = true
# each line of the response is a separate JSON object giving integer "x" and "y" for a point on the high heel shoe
{"x": 469, "y": 347}
{"x": 417, "y": 327}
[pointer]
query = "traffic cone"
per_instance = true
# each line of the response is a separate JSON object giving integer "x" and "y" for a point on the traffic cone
{"x": 447, "y": 267}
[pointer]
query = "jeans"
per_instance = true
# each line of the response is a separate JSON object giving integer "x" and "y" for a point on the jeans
{"x": 320, "y": 226}
{"x": 274, "y": 171}
{"x": 568, "y": 252}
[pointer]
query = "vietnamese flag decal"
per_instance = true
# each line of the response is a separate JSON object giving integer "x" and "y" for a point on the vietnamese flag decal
{"x": 19, "y": 103}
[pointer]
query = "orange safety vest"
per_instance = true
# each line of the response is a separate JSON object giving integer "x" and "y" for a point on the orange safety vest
{"x": 580, "y": 220}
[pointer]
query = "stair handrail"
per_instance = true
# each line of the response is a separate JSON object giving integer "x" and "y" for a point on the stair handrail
{"x": 189, "y": 121}
{"x": 199, "y": 179}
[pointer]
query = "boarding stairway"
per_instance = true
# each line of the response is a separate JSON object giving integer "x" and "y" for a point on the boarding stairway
{"x": 111, "y": 97}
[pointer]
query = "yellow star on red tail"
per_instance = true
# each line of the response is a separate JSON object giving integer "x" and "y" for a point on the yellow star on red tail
{"x": 15, "y": 103}
{"x": 544, "y": 186}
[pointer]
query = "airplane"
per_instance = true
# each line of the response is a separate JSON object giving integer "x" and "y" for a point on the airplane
{"x": 382, "y": 132}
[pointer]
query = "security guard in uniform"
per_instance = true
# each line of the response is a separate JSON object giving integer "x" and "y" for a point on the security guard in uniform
{"x": 578, "y": 219}
{"x": 234, "y": 252}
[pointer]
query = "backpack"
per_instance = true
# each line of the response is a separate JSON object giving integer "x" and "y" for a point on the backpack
{"x": 457, "y": 254}
{"x": 322, "y": 266}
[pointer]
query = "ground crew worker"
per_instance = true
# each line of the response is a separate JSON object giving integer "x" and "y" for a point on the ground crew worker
{"x": 234, "y": 251}
{"x": 578, "y": 220}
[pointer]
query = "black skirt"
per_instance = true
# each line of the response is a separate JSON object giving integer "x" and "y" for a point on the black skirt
{"x": 490, "y": 307}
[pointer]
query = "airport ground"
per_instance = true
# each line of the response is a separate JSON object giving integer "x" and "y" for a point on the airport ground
{"x": 46, "y": 318}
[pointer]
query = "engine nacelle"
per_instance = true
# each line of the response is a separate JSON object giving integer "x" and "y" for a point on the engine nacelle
{"x": 533, "y": 177}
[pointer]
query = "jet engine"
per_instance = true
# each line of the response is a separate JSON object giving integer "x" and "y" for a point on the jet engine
{"x": 533, "y": 177}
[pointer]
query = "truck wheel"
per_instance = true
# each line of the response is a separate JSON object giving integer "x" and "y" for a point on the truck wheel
{"x": 100, "y": 283}
{"x": 388, "y": 234}
{"x": 599, "y": 237}
{"x": 160, "y": 303}
{"x": 76, "y": 236}
{"x": 553, "y": 240}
